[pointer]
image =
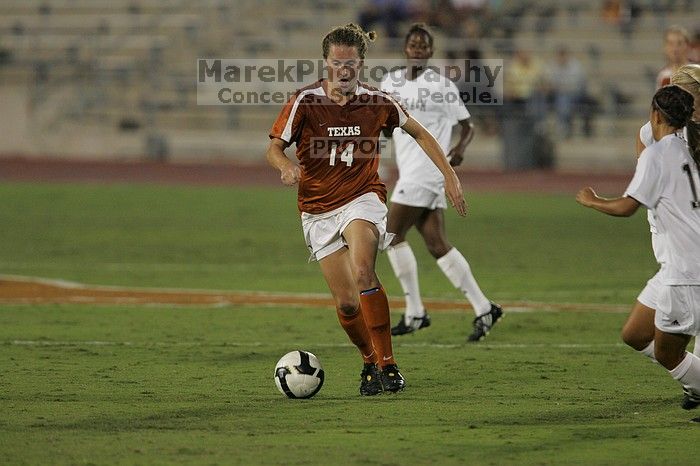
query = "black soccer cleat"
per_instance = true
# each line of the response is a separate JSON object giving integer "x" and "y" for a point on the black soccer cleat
{"x": 484, "y": 323}
{"x": 392, "y": 380}
{"x": 417, "y": 323}
{"x": 370, "y": 383}
{"x": 690, "y": 400}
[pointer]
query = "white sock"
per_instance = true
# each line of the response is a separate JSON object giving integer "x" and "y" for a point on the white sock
{"x": 457, "y": 270}
{"x": 696, "y": 349}
{"x": 688, "y": 373}
{"x": 649, "y": 351}
{"x": 405, "y": 268}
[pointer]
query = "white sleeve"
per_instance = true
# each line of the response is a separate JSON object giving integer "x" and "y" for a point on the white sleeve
{"x": 646, "y": 135}
{"x": 646, "y": 185}
{"x": 456, "y": 109}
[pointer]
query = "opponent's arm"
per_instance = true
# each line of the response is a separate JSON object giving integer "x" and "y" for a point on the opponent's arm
{"x": 617, "y": 207}
{"x": 640, "y": 145}
{"x": 466, "y": 135}
{"x": 290, "y": 173}
{"x": 453, "y": 188}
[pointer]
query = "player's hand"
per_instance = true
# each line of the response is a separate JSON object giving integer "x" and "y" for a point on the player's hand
{"x": 586, "y": 196}
{"x": 290, "y": 175}
{"x": 455, "y": 157}
{"x": 453, "y": 190}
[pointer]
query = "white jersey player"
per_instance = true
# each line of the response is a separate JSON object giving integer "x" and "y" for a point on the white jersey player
{"x": 666, "y": 181}
{"x": 418, "y": 198}
{"x": 638, "y": 331}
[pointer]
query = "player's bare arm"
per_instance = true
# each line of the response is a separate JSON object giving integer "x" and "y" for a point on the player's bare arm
{"x": 453, "y": 187}
{"x": 466, "y": 135}
{"x": 640, "y": 146}
{"x": 290, "y": 174}
{"x": 617, "y": 207}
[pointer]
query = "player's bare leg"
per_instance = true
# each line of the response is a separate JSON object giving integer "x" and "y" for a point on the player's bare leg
{"x": 638, "y": 331}
{"x": 362, "y": 238}
{"x": 338, "y": 272}
{"x": 669, "y": 350}
{"x": 456, "y": 268}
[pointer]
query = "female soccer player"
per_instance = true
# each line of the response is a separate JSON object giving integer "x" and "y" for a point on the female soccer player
{"x": 335, "y": 124}
{"x": 638, "y": 331}
{"x": 666, "y": 182}
{"x": 676, "y": 49}
{"x": 419, "y": 197}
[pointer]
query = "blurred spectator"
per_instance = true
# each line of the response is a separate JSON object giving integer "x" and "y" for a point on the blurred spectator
{"x": 388, "y": 12}
{"x": 524, "y": 82}
{"x": 611, "y": 11}
{"x": 469, "y": 9}
{"x": 523, "y": 110}
{"x": 5, "y": 55}
{"x": 623, "y": 14}
{"x": 567, "y": 84}
{"x": 676, "y": 49}
{"x": 452, "y": 16}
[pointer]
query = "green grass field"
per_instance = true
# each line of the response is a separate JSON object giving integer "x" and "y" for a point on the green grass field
{"x": 84, "y": 384}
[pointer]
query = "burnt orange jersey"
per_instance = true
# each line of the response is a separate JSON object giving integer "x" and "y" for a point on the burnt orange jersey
{"x": 337, "y": 146}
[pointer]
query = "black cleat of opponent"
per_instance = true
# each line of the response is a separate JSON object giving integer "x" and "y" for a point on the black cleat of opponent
{"x": 690, "y": 400}
{"x": 392, "y": 380}
{"x": 417, "y": 323}
{"x": 484, "y": 323}
{"x": 370, "y": 383}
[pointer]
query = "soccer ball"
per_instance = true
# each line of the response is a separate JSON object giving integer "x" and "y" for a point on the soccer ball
{"x": 299, "y": 374}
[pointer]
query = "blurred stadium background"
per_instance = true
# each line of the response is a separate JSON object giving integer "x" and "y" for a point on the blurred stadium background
{"x": 116, "y": 79}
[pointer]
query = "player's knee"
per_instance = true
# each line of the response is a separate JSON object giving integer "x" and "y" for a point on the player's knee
{"x": 348, "y": 307}
{"x": 633, "y": 339}
{"x": 437, "y": 248}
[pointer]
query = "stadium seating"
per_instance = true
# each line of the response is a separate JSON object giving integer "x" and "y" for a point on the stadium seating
{"x": 103, "y": 78}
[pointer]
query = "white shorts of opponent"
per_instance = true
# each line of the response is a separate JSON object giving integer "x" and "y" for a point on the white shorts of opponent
{"x": 678, "y": 309}
{"x": 651, "y": 291}
{"x": 323, "y": 233}
{"x": 415, "y": 195}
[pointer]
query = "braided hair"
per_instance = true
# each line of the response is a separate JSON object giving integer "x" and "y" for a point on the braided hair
{"x": 350, "y": 35}
{"x": 674, "y": 104}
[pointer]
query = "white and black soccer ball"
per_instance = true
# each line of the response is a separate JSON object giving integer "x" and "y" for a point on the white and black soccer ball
{"x": 299, "y": 374}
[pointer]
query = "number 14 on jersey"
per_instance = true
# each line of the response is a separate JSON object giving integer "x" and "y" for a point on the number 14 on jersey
{"x": 345, "y": 156}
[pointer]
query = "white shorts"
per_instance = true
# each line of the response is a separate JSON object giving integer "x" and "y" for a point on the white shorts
{"x": 415, "y": 195}
{"x": 650, "y": 293}
{"x": 678, "y": 309}
{"x": 323, "y": 233}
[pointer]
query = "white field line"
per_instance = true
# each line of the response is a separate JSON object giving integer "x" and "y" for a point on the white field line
{"x": 257, "y": 344}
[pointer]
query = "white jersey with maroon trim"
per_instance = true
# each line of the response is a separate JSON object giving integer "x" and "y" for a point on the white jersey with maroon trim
{"x": 434, "y": 101}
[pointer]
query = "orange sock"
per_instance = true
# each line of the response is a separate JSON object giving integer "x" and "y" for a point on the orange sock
{"x": 375, "y": 308}
{"x": 356, "y": 328}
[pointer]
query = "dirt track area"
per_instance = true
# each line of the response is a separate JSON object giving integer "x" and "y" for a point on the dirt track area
{"x": 29, "y": 290}
{"x": 63, "y": 171}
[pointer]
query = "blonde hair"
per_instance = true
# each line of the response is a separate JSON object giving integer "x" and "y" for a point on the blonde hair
{"x": 350, "y": 35}
{"x": 680, "y": 30}
{"x": 688, "y": 77}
